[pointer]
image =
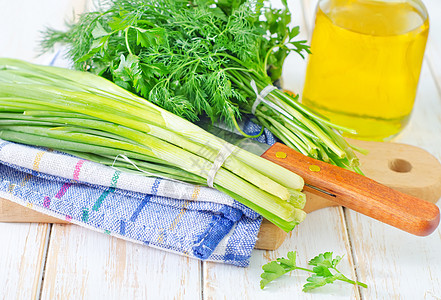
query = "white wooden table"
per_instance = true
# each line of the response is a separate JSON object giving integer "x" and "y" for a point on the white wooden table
{"x": 68, "y": 262}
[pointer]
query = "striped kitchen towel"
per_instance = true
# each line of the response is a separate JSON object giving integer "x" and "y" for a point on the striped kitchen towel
{"x": 191, "y": 220}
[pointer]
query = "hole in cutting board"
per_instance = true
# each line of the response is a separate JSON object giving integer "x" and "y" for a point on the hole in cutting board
{"x": 400, "y": 165}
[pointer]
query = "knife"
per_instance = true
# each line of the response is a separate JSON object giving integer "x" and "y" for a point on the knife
{"x": 345, "y": 187}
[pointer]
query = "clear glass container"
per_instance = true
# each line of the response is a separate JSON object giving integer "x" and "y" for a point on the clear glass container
{"x": 365, "y": 64}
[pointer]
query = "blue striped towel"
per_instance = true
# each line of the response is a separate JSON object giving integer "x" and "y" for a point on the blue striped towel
{"x": 191, "y": 220}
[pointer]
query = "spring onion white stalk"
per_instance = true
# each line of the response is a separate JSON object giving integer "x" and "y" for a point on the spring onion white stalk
{"x": 90, "y": 117}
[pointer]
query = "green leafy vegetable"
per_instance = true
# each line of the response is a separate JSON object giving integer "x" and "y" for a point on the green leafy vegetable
{"x": 198, "y": 59}
{"x": 90, "y": 117}
{"x": 322, "y": 274}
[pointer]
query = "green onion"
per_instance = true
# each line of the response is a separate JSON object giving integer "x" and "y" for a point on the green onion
{"x": 90, "y": 117}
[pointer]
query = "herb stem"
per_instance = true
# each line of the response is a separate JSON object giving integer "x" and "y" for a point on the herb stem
{"x": 265, "y": 62}
{"x": 240, "y": 129}
{"x": 345, "y": 279}
{"x": 126, "y": 35}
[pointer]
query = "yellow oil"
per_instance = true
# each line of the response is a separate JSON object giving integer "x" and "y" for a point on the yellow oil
{"x": 365, "y": 64}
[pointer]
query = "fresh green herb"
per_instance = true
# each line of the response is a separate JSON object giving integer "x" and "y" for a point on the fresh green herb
{"x": 91, "y": 117}
{"x": 325, "y": 270}
{"x": 198, "y": 59}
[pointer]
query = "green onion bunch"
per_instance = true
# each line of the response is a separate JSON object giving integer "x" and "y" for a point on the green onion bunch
{"x": 88, "y": 116}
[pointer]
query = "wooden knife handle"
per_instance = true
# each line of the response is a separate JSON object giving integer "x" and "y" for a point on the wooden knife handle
{"x": 360, "y": 193}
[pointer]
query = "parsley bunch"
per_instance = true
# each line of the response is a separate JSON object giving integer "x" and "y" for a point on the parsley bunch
{"x": 198, "y": 58}
{"x": 324, "y": 272}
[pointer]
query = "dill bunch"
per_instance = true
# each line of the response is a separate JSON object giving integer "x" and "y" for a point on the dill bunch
{"x": 198, "y": 59}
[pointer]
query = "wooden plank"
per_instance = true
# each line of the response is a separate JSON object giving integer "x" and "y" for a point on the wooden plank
{"x": 395, "y": 264}
{"x": 22, "y": 254}
{"x": 425, "y": 124}
{"x": 83, "y": 264}
{"x": 23, "y": 246}
{"x": 309, "y": 9}
{"x": 294, "y": 76}
{"x": 323, "y": 230}
{"x": 23, "y": 21}
{"x": 80, "y": 259}
{"x": 433, "y": 48}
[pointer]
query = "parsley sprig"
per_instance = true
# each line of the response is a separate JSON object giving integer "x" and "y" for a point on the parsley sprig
{"x": 324, "y": 271}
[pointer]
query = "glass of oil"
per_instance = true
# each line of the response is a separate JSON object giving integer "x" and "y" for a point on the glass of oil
{"x": 365, "y": 64}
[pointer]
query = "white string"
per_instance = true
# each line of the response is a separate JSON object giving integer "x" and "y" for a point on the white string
{"x": 260, "y": 97}
{"x": 223, "y": 154}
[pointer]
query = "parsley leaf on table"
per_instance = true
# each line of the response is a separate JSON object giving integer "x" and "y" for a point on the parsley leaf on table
{"x": 275, "y": 269}
{"x": 322, "y": 275}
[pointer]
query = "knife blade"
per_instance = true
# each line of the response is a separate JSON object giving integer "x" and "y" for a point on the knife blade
{"x": 347, "y": 188}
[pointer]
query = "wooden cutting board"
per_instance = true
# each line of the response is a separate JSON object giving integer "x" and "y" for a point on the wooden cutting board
{"x": 406, "y": 168}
